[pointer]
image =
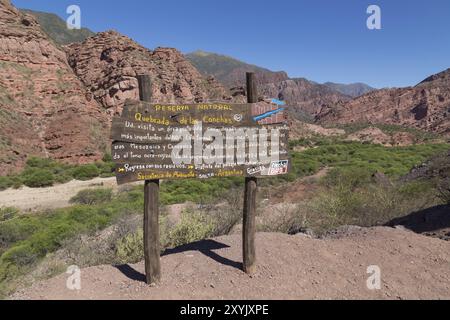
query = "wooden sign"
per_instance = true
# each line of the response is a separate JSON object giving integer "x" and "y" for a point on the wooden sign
{"x": 159, "y": 141}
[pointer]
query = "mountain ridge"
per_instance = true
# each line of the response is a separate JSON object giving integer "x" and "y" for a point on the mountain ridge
{"x": 231, "y": 71}
{"x": 352, "y": 89}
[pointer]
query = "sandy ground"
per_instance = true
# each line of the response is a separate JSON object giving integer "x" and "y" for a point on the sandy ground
{"x": 289, "y": 267}
{"x": 52, "y": 197}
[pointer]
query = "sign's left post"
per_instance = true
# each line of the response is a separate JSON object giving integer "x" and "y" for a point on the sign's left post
{"x": 151, "y": 207}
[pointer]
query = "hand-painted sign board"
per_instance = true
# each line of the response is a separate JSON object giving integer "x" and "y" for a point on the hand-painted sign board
{"x": 159, "y": 141}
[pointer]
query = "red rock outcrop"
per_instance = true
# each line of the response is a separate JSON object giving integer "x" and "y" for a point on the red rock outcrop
{"x": 109, "y": 62}
{"x": 44, "y": 108}
{"x": 425, "y": 106}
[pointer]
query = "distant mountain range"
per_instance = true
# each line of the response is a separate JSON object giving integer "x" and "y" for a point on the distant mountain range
{"x": 56, "y": 28}
{"x": 231, "y": 72}
{"x": 353, "y": 90}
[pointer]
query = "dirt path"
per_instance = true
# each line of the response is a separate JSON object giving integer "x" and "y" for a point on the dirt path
{"x": 289, "y": 267}
{"x": 52, "y": 197}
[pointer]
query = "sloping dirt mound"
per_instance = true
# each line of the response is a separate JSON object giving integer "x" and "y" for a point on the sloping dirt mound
{"x": 289, "y": 267}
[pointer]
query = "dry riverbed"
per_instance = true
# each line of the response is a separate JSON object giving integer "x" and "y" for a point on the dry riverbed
{"x": 58, "y": 196}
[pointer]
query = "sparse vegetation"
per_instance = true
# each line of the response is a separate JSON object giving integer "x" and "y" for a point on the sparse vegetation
{"x": 347, "y": 195}
{"x": 130, "y": 248}
{"x": 44, "y": 172}
{"x": 85, "y": 172}
{"x": 393, "y": 161}
{"x": 93, "y": 196}
{"x": 193, "y": 226}
{"x": 26, "y": 239}
{"x": 36, "y": 178}
{"x": 8, "y": 213}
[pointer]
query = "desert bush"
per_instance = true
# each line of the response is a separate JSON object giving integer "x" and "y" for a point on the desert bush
{"x": 130, "y": 249}
{"x": 8, "y": 213}
{"x": 224, "y": 216}
{"x": 106, "y": 169}
{"x": 347, "y": 200}
{"x": 193, "y": 227}
{"x": 86, "y": 172}
{"x": 42, "y": 163}
{"x": 393, "y": 162}
{"x": 107, "y": 157}
{"x": 92, "y": 196}
{"x": 5, "y": 183}
{"x": 47, "y": 232}
{"x": 37, "y": 178}
{"x": 443, "y": 187}
{"x": 197, "y": 191}
{"x": 285, "y": 218}
{"x": 21, "y": 256}
{"x": 129, "y": 245}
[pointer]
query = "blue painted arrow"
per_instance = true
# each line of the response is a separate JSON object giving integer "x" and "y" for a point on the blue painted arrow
{"x": 278, "y": 102}
{"x": 267, "y": 114}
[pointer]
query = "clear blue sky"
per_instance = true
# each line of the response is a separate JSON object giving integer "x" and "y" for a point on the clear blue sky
{"x": 322, "y": 40}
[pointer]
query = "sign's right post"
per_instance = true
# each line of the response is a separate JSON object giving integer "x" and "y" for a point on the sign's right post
{"x": 251, "y": 183}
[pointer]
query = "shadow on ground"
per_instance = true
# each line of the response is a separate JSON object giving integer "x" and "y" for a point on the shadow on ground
{"x": 433, "y": 221}
{"x": 205, "y": 247}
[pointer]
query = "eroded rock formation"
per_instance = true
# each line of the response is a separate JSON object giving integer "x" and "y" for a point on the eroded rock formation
{"x": 109, "y": 62}
{"x": 44, "y": 108}
{"x": 425, "y": 106}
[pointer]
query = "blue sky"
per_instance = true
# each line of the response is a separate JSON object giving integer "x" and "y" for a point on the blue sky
{"x": 322, "y": 40}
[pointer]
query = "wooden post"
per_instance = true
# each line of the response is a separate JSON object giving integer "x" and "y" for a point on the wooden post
{"x": 249, "y": 221}
{"x": 151, "y": 207}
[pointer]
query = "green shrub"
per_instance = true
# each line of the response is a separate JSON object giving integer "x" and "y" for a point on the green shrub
{"x": 130, "y": 249}
{"x": 37, "y": 178}
{"x": 350, "y": 202}
{"x": 92, "y": 196}
{"x": 106, "y": 169}
{"x": 63, "y": 177}
{"x": 192, "y": 227}
{"x": 107, "y": 157}
{"x": 5, "y": 183}
{"x": 21, "y": 256}
{"x": 42, "y": 163}
{"x": 443, "y": 187}
{"x": 8, "y": 213}
{"x": 85, "y": 172}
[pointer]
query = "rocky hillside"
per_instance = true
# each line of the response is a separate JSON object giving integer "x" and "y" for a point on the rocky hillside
{"x": 353, "y": 90}
{"x": 44, "y": 108}
{"x": 57, "y": 101}
{"x": 230, "y": 71}
{"x": 109, "y": 62}
{"x": 425, "y": 106}
{"x": 56, "y": 28}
